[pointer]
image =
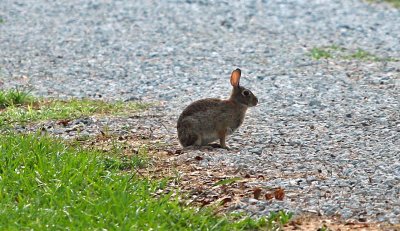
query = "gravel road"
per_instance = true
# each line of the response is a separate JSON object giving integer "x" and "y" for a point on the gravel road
{"x": 327, "y": 131}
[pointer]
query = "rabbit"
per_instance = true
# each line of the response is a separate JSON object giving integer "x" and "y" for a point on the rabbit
{"x": 208, "y": 120}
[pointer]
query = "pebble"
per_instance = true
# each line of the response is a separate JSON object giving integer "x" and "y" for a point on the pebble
{"x": 339, "y": 116}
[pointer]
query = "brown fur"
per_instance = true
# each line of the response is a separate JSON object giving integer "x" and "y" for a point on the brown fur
{"x": 207, "y": 120}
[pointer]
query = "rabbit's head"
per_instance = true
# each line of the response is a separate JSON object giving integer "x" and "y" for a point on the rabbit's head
{"x": 240, "y": 94}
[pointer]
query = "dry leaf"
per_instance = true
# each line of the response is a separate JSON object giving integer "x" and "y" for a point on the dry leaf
{"x": 225, "y": 200}
{"x": 257, "y": 193}
{"x": 63, "y": 122}
{"x": 279, "y": 194}
{"x": 362, "y": 219}
{"x": 205, "y": 201}
{"x": 269, "y": 196}
{"x": 260, "y": 177}
{"x": 198, "y": 158}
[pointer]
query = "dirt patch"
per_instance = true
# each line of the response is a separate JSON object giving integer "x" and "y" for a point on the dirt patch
{"x": 219, "y": 186}
{"x": 311, "y": 222}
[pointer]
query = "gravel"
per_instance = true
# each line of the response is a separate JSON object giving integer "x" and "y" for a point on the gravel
{"x": 327, "y": 131}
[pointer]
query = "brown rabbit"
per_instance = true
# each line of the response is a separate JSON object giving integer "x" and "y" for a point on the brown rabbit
{"x": 207, "y": 120}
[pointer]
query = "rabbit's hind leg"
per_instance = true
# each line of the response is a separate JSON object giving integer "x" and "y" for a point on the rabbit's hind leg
{"x": 189, "y": 139}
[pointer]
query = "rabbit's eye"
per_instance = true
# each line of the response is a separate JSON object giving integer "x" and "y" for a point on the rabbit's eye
{"x": 246, "y": 93}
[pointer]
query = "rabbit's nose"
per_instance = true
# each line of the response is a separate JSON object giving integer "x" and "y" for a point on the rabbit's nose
{"x": 255, "y": 101}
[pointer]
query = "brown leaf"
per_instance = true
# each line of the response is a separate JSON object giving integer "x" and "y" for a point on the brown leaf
{"x": 224, "y": 188}
{"x": 257, "y": 193}
{"x": 247, "y": 176}
{"x": 296, "y": 222}
{"x": 63, "y": 122}
{"x": 121, "y": 138}
{"x": 225, "y": 200}
{"x": 198, "y": 158}
{"x": 161, "y": 152}
{"x": 269, "y": 196}
{"x": 279, "y": 194}
{"x": 362, "y": 219}
{"x": 260, "y": 177}
{"x": 205, "y": 202}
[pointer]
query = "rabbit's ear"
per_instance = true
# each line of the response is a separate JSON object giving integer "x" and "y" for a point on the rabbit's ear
{"x": 235, "y": 77}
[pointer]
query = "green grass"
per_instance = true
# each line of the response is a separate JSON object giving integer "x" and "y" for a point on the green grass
{"x": 46, "y": 184}
{"x": 338, "y": 52}
{"x": 395, "y": 3}
{"x": 15, "y": 97}
{"x": 227, "y": 181}
{"x": 1, "y": 20}
{"x": 319, "y": 53}
{"x": 360, "y": 54}
{"x": 324, "y": 228}
{"x": 20, "y": 107}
